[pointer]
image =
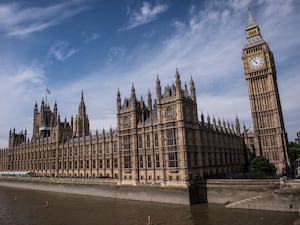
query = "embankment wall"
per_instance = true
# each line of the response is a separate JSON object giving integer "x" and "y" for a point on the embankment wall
{"x": 264, "y": 194}
{"x": 224, "y": 191}
{"x": 104, "y": 189}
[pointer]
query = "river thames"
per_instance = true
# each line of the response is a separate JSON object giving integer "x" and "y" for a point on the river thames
{"x": 27, "y": 207}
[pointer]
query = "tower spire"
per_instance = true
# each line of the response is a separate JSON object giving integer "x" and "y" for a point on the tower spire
{"x": 158, "y": 88}
{"x": 253, "y": 34}
{"x": 81, "y": 108}
{"x": 192, "y": 89}
{"x": 178, "y": 83}
{"x": 81, "y": 127}
{"x": 118, "y": 100}
{"x": 251, "y": 21}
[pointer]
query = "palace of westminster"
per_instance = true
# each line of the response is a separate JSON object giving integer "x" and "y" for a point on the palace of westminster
{"x": 159, "y": 141}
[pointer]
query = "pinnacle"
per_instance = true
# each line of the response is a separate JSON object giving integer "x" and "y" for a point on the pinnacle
{"x": 251, "y": 21}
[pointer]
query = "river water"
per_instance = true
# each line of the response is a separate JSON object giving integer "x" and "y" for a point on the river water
{"x": 27, "y": 207}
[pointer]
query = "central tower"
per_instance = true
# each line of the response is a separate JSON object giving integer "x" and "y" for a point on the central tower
{"x": 269, "y": 133}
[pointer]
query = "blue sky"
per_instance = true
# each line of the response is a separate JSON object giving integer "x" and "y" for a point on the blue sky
{"x": 100, "y": 46}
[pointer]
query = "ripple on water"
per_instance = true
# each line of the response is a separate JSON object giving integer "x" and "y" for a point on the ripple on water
{"x": 18, "y": 207}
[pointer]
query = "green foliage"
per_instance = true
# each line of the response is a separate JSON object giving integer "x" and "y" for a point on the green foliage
{"x": 261, "y": 165}
{"x": 294, "y": 150}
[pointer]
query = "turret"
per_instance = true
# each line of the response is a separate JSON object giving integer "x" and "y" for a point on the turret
{"x": 72, "y": 122}
{"x": 158, "y": 89}
{"x": 103, "y": 133}
{"x": 202, "y": 118}
{"x": 186, "y": 94}
{"x": 35, "y": 108}
{"x": 81, "y": 107}
{"x": 208, "y": 119}
{"x": 149, "y": 101}
{"x": 118, "y": 100}
{"x": 133, "y": 96}
{"x": 214, "y": 122}
{"x": 193, "y": 90}
{"x": 42, "y": 104}
{"x": 55, "y": 108}
{"x": 142, "y": 105}
{"x": 237, "y": 125}
{"x": 81, "y": 127}
{"x": 178, "y": 83}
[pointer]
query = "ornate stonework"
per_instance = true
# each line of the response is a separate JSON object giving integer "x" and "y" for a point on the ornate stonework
{"x": 161, "y": 142}
{"x": 158, "y": 142}
{"x": 270, "y": 138}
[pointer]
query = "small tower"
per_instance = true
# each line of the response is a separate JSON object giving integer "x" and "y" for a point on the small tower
{"x": 192, "y": 90}
{"x": 237, "y": 126}
{"x": 158, "y": 90}
{"x": 82, "y": 125}
{"x": 133, "y": 97}
{"x": 118, "y": 100}
{"x": 178, "y": 83}
{"x": 149, "y": 101}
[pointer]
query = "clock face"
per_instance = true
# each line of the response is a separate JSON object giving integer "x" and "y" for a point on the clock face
{"x": 256, "y": 62}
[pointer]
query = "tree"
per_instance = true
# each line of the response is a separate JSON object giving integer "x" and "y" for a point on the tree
{"x": 294, "y": 150}
{"x": 261, "y": 165}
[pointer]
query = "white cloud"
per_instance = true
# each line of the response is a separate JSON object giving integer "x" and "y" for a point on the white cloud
{"x": 61, "y": 51}
{"x": 21, "y": 22}
{"x": 20, "y": 86}
{"x": 115, "y": 52}
{"x": 145, "y": 14}
{"x": 207, "y": 45}
{"x": 92, "y": 37}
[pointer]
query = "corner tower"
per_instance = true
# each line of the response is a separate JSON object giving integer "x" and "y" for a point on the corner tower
{"x": 82, "y": 125}
{"x": 270, "y": 139}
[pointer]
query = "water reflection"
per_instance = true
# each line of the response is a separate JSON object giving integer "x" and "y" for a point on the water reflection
{"x": 34, "y": 207}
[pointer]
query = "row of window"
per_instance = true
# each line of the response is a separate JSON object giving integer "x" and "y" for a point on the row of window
{"x": 171, "y": 139}
{"x": 172, "y": 161}
{"x": 255, "y": 49}
{"x": 101, "y": 147}
{"x": 76, "y": 164}
{"x": 169, "y": 114}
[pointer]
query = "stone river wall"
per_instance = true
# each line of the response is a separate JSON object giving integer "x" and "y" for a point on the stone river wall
{"x": 249, "y": 194}
{"x": 103, "y": 188}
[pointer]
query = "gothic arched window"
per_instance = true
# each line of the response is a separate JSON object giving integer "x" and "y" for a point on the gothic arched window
{"x": 126, "y": 122}
{"x": 169, "y": 112}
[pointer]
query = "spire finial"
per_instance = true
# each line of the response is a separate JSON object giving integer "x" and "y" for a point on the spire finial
{"x": 177, "y": 73}
{"x": 82, "y": 95}
{"x": 251, "y": 21}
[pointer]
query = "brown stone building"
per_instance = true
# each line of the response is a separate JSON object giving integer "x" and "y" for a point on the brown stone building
{"x": 159, "y": 142}
{"x": 270, "y": 139}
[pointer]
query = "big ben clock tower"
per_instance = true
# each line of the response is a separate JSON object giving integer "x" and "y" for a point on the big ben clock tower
{"x": 270, "y": 139}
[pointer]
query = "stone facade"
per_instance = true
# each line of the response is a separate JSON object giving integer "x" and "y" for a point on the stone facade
{"x": 270, "y": 139}
{"x": 161, "y": 142}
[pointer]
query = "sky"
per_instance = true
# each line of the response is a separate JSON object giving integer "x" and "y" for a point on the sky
{"x": 99, "y": 46}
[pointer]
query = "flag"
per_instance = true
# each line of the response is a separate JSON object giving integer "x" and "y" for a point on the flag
{"x": 48, "y": 91}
